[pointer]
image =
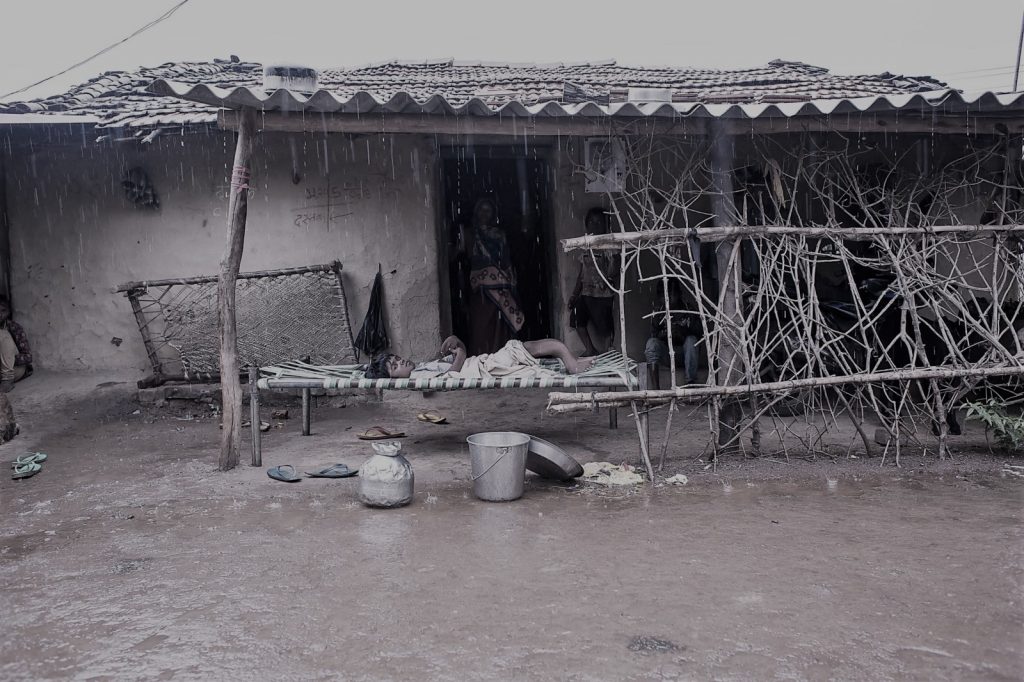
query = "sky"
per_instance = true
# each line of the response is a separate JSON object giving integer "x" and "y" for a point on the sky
{"x": 972, "y": 44}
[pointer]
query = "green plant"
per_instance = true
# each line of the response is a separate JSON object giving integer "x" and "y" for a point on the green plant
{"x": 1008, "y": 430}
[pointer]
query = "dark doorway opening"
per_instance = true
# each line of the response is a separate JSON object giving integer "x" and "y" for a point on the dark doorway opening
{"x": 519, "y": 188}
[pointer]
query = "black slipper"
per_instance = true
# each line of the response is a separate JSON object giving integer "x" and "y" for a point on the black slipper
{"x": 333, "y": 471}
{"x": 285, "y": 473}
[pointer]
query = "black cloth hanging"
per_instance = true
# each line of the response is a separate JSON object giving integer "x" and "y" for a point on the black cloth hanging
{"x": 373, "y": 335}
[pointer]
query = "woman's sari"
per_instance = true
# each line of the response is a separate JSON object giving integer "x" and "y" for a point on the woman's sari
{"x": 490, "y": 275}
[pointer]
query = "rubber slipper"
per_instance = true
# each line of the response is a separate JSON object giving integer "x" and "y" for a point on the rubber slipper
{"x": 333, "y": 471}
{"x": 32, "y": 458}
{"x": 26, "y": 470}
{"x": 264, "y": 426}
{"x": 432, "y": 417}
{"x": 379, "y": 433}
{"x": 285, "y": 473}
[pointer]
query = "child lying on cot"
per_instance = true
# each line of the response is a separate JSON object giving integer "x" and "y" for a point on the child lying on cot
{"x": 516, "y": 359}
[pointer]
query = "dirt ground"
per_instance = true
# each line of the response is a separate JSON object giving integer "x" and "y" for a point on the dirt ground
{"x": 131, "y": 557}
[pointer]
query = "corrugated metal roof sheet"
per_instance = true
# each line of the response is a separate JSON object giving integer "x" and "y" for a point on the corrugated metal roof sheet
{"x": 122, "y": 99}
{"x": 325, "y": 101}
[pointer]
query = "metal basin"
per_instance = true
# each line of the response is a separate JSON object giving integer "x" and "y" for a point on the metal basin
{"x": 547, "y": 460}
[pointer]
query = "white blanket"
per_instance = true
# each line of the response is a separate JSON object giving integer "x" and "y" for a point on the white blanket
{"x": 512, "y": 360}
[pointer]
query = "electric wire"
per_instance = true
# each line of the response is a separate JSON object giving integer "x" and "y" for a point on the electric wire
{"x": 163, "y": 17}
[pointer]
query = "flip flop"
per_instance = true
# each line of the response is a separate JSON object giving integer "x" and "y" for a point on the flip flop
{"x": 26, "y": 470}
{"x": 333, "y": 471}
{"x": 432, "y": 417}
{"x": 379, "y": 433}
{"x": 31, "y": 458}
{"x": 279, "y": 473}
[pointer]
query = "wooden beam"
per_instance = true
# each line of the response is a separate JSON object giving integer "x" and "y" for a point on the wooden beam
{"x": 437, "y": 124}
{"x": 580, "y": 402}
{"x": 238, "y": 204}
{"x": 209, "y": 279}
{"x": 544, "y": 126}
{"x": 906, "y": 123}
{"x": 615, "y": 240}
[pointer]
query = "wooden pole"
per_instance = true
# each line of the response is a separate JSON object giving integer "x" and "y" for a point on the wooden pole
{"x": 727, "y": 260}
{"x": 231, "y": 388}
{"x": 306, "y": 412}
{"x": 254, "y": 417}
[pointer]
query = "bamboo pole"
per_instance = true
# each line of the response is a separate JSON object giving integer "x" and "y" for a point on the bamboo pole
{"x": 614, "y": 240}
{"x": 231, "y": 389}
{"x": 575, "y": 402}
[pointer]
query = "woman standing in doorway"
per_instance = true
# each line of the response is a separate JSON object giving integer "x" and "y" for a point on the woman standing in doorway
{"x": 494, "y": 312}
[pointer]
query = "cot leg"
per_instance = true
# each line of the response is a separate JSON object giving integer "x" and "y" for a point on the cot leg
{"x": 306, "y": 417}
{"x": 254, "y": 417}
{"x": 613, "y": 417}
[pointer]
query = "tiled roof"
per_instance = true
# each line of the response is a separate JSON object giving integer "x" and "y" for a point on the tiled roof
{"x": 120, "y": 99}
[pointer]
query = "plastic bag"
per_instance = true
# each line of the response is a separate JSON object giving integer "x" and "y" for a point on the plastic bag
{"x": 373, "y": 335}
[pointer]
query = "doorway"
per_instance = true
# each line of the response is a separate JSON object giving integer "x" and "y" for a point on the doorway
{"x": 519, "y": 188}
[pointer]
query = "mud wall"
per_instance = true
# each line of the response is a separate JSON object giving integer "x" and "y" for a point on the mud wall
{"x": 75, "y": 236}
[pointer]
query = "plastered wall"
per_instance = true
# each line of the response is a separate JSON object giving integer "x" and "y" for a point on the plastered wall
{"x": 74, "y": 235}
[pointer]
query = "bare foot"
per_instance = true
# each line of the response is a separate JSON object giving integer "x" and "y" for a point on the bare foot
{"x": 582, "y": 365}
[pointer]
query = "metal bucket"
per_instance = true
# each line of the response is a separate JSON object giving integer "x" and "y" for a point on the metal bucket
{"x": 498, "y": 459}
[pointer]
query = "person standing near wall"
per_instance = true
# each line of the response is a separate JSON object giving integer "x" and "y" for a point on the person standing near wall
{"x": 495, "y": 315}
{"x": 15, "y": 353}
{"x": 591, "y": 303}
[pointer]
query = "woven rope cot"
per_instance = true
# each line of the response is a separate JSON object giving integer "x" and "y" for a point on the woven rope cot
{"x": 282, "y": 315}
{"x": 608, "y": 370}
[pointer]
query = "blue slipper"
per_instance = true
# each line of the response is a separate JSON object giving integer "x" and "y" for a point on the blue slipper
{"x": 285, "y": 473}
{"x": 26, "y": 470}
{"x": 333, "y": 471}
{"x": 31, "y": 458}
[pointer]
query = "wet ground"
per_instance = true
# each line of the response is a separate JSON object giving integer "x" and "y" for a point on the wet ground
{"x": 129, "y": 556}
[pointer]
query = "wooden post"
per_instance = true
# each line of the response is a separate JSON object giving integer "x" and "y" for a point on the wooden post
{"x": 254, "y": 416}
{"x": 724, "y": 208}
{"x": 306, "y": 412}
{"x": 230, "y": 386}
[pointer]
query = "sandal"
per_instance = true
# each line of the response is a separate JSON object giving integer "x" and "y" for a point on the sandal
{"x": 333, "y": 471}
{"x": 379, "y": 433}
{"x": 432, "y": 417}
{"x": 284, "y": 473}
{"x": 31, "y": 458}
{"x": 26, "y": 470}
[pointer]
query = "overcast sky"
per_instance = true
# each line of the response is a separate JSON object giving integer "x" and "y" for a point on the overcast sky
{"x": 971, "y": 44}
